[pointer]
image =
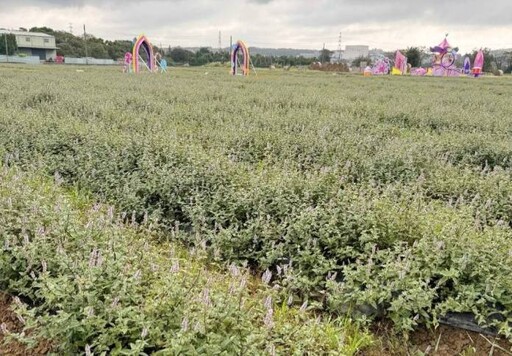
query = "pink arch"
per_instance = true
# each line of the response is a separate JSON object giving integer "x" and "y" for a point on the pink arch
{"x": 142, "y": 41}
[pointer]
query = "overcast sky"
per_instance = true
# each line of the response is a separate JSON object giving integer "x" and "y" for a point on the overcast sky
{"x": 387, "y": 24}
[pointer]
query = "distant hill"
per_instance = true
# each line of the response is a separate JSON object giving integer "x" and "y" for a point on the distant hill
{"x": 275, "y": 52}
{"x": 500, "y": 52}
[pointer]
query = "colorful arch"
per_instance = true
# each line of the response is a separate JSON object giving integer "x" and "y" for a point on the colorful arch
{"x": 240, "y": 46}
{"x": 143, "y": 42}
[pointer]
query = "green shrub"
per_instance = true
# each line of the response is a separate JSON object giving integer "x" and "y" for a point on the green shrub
{"x": 90, "y": 283}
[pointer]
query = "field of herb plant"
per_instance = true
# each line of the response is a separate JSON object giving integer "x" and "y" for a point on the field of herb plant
{"x": 379, "y": 197}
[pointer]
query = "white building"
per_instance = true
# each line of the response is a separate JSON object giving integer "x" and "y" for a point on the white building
{"x": 34, "y": 44}
{"x": 353, "y": 52}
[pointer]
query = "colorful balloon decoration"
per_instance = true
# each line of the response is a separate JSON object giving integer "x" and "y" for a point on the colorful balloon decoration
{"x": 418, "y": 72}
{"x": 240, "y": 46}
{"x": 161, "y": 63}
{"x": 400, "y": 67}
{"x": 382, "y": 66}
{"x": 143, "y": 42}
{"x": 444, "y": 60}
{"x": 127, "y": 62}
{"x": 479, "y": 64}
{"x": 467, "y": 66}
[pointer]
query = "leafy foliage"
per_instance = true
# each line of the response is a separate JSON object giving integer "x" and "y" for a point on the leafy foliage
{"x": 370, "y": 205}
{"x": 70, "y": 45}
{"x": 12, "y": 46}
{"x": 90, "y": 283}
{"x": 414, "y": 56}
{"x": 357, "y": 62}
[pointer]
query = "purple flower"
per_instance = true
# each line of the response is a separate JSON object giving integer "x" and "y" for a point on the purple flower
{"x": 110, "y": 212}
{"x": 4, "y": 329}
{"x": 175, "y": 267}
{"x": 90, "y": 312}
{"x": 266, "y": 277}
{"x": 20, "y": 318}
{"x": 144, "y": 332}
{"x": 268, "y": 302}
{"x": 235, "y": 271}
{"x": 243, "y": 282}
{"x": 269, "y": 319}
{"x": 290, "y": 300}
{"x": 184, "y": 324}
{"x": 304, "y": 307}
{"x": 205, "y": 297}
{"x": 115, "y": 302}
{"x": 17, "y": 301}
{"x": 92, "y": 257}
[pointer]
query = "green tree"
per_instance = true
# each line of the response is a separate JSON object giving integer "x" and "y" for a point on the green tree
{"x": 117, "y": 49}
{"x": 11, "y": 48}
{"x": 181, "y": 55}
{"x": 325, "y": 55}
{"x": 414, "y": 56}
{"x": 357, "y": 62}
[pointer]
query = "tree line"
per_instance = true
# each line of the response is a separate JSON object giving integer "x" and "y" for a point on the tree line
{"x": 70, "y": 45}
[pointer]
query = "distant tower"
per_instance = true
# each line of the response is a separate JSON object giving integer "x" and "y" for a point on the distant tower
{"x": 70, "y": 28}
{"x": 339, "y": 49}
{"x": 220, "y": 41}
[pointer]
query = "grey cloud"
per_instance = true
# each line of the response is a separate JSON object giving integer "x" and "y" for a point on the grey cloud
{"x": 269, "y": 21}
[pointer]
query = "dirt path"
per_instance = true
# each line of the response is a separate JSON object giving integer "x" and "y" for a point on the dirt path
{"x": 14, "y": 348}
{"x": 445, "y": 341}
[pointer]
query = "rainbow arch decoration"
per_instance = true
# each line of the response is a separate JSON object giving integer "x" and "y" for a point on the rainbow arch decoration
{"x": 143, "y": 42}
{"x": 244, "y": 66}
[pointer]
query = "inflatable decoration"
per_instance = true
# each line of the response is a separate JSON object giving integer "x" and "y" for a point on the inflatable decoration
{"x": 368, "y": 71}
{"x": 161, "y": 63}
{"x": 381, "y": 66}
{"x": 467, "y": 66}
{"x": 444, "y": 60}
{"x": 143, "y": 42}
{"x": 240, "y": 46}
{"x": 127, "y": 62}
{"x": 419, "y": 72}
{"x": 479, "y": 64}
{"x": 400, "y": 67}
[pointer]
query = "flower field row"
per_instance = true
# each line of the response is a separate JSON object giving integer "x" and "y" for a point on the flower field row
{"x": 389, "y": 197}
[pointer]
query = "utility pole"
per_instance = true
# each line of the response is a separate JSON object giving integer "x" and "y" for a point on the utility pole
{"x": 70, "y": 28}
{"x": 6, "y": 48}
{"x": 339, "y": 49}
{"x": 220, "y": 41}
{"x": 85, "y": 45}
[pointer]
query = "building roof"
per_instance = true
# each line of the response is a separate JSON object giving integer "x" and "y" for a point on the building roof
{"x": 29, "y": 34}
{"x": 26, "y": 33}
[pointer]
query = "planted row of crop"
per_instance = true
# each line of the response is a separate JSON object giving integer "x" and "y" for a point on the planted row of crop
{"x": 310, "y": 171}
{"x": 88, "y": 283}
